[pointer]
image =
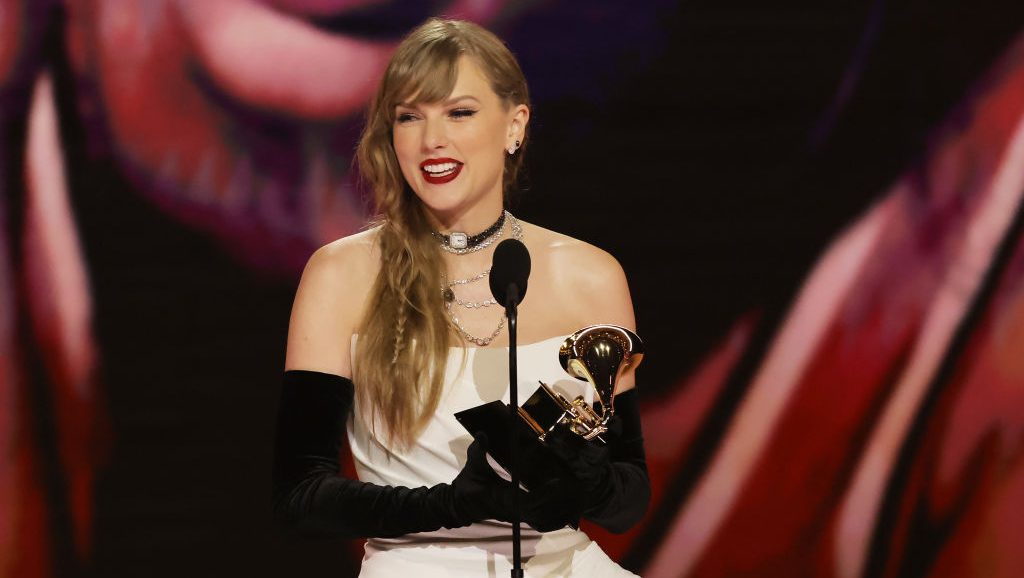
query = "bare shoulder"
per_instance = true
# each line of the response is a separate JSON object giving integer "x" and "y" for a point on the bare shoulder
{"x": 583, "y": 285}
{"x": 590, "y": 282}
{"x": 345, "y": 260}
{"x": 329, "y": 303}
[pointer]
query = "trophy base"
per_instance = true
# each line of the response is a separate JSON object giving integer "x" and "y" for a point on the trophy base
{"x": 537, "y": 463}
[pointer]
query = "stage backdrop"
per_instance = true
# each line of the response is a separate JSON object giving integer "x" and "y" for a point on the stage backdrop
{"x": 818, "y": 208}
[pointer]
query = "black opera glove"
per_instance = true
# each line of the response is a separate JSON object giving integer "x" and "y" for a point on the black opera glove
{"x": 612, "y": 478}
{"x": 478, "y": 488}
{"x": 310, "y": 498}
{"x": 549, "y": 507}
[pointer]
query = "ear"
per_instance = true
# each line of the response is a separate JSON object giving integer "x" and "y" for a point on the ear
{"x": 519, "y": 117}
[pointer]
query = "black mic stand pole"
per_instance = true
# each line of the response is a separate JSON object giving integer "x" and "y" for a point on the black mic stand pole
{"x": 511, "y": 312}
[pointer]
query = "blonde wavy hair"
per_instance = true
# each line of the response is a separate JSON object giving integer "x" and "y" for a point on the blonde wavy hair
{"x": 403, "y": 344}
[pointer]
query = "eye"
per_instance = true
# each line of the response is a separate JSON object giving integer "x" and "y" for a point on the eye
{"x": 458, "y": 113}
{"x": 404, "y": 117}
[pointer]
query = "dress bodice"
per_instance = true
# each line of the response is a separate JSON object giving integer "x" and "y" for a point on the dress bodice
{"x": 473, "y": 375}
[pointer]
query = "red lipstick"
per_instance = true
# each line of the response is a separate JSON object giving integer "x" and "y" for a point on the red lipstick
{"x": 440, "y": 171}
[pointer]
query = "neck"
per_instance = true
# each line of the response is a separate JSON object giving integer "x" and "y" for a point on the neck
{"x": 470, "y": 221}
{"x": 460, "y": 266}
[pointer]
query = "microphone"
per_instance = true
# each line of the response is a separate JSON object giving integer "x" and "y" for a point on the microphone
{"x": 509, "y": 272}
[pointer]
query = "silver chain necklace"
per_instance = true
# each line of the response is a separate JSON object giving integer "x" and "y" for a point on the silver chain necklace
{"x": 475, "y": 304}
{"x": 449, "y": 297}
{"x": 481, "y": 341}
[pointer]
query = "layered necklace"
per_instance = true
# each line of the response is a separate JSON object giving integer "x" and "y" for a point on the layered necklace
{"x": 461, "y": 244}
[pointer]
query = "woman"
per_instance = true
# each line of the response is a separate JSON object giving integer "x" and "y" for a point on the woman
{"x": 403, "y": 312}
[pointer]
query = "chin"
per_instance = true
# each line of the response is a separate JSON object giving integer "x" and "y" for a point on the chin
{"x": 440, "y": 201}
{"x": 443, "y": 209}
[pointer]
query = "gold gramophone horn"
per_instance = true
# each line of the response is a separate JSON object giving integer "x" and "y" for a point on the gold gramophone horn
{"x": 600, "y": 355}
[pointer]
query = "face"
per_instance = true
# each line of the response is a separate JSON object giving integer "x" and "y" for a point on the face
{"x": 452, "y": 153}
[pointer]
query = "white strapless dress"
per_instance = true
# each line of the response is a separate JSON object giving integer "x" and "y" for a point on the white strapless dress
{"x": 473, "y": 376}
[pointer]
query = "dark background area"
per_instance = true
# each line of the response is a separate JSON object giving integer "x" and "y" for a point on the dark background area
{"x": 714, "y": 153}
{"x": 719, "y": 172}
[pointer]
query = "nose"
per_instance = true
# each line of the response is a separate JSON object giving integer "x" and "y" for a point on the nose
{"x": 435, "y": 135}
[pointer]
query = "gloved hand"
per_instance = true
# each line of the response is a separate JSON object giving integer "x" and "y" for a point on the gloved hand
{"x": 311, "y": 498}
{"x": 478, "y": 492}
{"x": 612, "y": 478}
{"x": 481, "y": 494}
{"x": 553, "y": 506}
{"x": 589, "y": 461}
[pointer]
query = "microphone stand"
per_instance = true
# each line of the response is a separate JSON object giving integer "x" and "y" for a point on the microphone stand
{"x": 511, "y": 312}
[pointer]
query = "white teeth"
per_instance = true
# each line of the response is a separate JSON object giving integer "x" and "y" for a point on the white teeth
{"x": 440, "y": 168}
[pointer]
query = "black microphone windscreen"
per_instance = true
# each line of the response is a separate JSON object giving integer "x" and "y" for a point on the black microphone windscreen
{"x": 511, "y": 267}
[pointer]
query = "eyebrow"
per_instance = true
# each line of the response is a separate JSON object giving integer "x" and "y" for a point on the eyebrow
{"x": 447, "y": 102}
{"x": 455, "y": 99}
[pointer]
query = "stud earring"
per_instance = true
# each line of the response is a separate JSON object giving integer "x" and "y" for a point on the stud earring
{"x": 513, "y": 148}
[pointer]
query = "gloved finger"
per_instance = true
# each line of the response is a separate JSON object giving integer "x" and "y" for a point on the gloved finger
{"x": 563, "y": 441}
{"x": 556, "y": 491}
{"x": 553, "y": 506}
{"x": 480, "y": 443}
{"x": 563, "y": 434}
{"x": 478, "y": 464}
{"x": 614, "y": 426}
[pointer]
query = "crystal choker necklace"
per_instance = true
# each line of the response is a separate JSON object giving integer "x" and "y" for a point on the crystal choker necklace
{"x": 461, "y": 243}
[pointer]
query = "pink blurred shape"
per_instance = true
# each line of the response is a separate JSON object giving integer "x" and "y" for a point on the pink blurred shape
{"x": 60, "y": 308}
{"x": 24, "y": 531}
{"x": 237, "y": 117}
{"x": 797, "y": 487}
{"x": 279, "y": 63}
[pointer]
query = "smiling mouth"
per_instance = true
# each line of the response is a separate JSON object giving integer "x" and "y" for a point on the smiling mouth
{"x": 441, "y": 171}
